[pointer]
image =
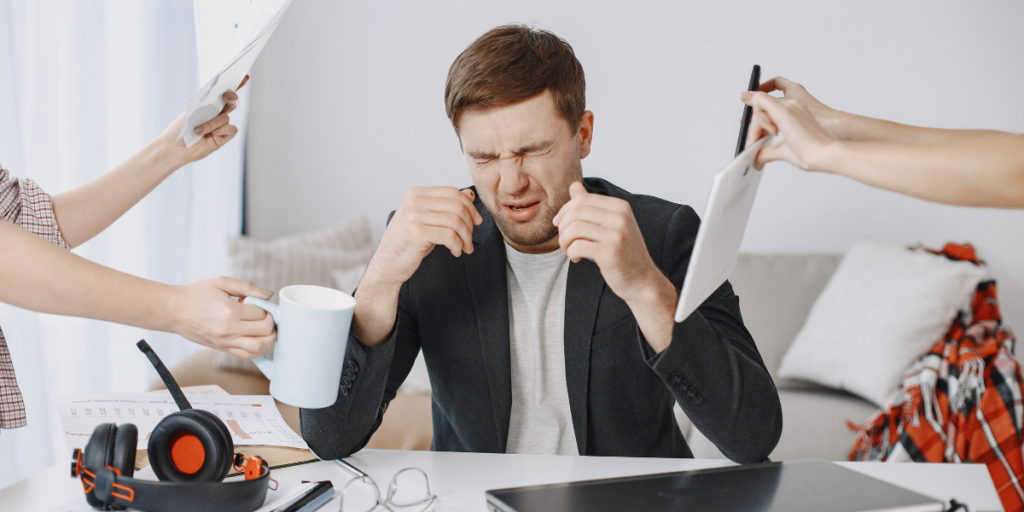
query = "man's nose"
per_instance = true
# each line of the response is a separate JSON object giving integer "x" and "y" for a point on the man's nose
{"x": 513, "y": 180}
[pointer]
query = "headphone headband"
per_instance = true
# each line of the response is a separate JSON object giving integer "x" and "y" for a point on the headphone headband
{"x": 152, "y": 496}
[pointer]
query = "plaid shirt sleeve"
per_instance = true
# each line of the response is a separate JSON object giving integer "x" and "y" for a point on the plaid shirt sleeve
{"x": 23, "y": 203}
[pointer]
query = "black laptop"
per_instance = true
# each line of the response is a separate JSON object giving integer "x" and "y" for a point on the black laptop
{"x": 797, "y": 486}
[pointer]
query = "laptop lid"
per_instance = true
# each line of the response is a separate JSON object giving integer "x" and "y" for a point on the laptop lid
{"x": 796, "y": 486}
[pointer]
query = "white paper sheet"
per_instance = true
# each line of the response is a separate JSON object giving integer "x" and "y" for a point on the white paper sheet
{"x": 252, "y": 419}
{"x": 239, "y": 28}
{"x": 207, "y": 389}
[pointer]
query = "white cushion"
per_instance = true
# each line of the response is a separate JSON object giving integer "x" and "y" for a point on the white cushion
{"x": 883, "y": 308}
{"x": 347, "y": 279}
{"x": 307, "y": 258}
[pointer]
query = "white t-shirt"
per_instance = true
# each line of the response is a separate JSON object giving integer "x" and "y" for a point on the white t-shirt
{"x": 541, "y": 421}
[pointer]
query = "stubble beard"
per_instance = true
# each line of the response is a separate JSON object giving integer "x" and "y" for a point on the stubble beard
{"x": 535, "y": 232}
{"x": 539, "y": 229}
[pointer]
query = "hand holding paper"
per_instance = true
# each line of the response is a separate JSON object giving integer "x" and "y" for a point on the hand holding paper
{"x": 207, "y": 103}
{"x": 211, "y": 135}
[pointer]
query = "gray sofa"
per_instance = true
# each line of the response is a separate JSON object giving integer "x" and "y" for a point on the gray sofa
{"x": 776, "y": 293}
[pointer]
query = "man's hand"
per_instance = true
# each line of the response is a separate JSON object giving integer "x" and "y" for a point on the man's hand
{"x": 427, "y": 217}
{"x": 216, "y": 132}
{"x": 209, "y": 313}
{"x": 603, "y": 229}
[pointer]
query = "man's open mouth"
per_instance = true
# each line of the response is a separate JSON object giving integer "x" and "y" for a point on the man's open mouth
{"x": 521, "y": 211}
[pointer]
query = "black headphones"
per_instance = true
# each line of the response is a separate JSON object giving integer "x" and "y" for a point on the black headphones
{"x": 191, "y": 452}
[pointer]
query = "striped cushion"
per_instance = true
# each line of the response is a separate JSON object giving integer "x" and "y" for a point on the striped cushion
{"x": 307, "y": 258}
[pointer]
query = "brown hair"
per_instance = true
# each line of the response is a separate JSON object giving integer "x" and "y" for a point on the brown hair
{"x": 512, "y": 63}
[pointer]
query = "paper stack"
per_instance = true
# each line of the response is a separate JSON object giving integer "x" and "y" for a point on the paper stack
{"x": 220, "y": 27}
{"x": 254, "y": 421}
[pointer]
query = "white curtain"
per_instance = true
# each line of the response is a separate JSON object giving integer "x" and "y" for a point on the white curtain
{"x": 83, "y": 85}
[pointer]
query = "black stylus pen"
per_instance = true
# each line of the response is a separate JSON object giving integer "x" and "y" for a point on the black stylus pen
{"x": 350, "y": 468}
{"x": 748, "y": 113}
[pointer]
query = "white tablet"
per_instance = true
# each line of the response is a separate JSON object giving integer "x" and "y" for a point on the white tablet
{"x": 721, "y": 229}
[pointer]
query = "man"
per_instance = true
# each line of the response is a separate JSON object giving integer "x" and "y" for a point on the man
{"x": 546, "y": 320}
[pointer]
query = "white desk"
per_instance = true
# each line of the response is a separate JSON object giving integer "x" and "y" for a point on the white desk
{"x": 460, "y": 479}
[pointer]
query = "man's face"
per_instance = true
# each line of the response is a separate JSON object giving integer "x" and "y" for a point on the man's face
{"x": 522, "y": 159}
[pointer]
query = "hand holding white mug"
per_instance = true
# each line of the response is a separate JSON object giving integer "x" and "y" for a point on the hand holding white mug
{"x": 209, "y": 313}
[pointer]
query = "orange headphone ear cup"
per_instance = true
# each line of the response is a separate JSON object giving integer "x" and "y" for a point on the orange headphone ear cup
{"x": 221, "y": 427}
{"x": 225, "y": 447}
{"x": 188, "y": 447}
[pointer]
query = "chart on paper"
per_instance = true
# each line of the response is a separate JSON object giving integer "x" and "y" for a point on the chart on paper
{"x": 252, "y": 419}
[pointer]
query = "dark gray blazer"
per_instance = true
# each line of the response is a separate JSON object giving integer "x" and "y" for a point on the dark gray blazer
{"x": 620, "y": 393}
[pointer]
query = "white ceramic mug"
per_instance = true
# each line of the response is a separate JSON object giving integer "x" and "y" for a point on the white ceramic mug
{"x": 312, "y": 333}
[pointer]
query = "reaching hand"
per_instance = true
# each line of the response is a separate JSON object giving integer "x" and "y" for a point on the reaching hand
{"x": 216, "y": 132}
{"x": 209, "y": 313}
{"x": 797, "y": 115}
{"x": 797, "y": 93}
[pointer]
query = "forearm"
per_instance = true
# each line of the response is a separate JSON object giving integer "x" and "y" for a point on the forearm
{"x": 376, "y": 307}
{"x": 983, "y": 170}
{"x": 85, "y": 211}
{"x": 852, "y": 127}
{"x": 654, "y": 310}
{"x": 42, "y": 277}
{"x": 346, "y": 426}
{"x": 722, "y": 387}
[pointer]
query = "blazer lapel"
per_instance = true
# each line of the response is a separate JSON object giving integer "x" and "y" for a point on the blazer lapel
{"x": 485, "y": 270}
{"x": 583, "y": 289}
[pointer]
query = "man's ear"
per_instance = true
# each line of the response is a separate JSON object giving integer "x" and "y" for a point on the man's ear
{"x": 586, "y": 133}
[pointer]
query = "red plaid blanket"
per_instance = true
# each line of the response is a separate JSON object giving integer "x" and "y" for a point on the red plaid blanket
{"x": 960, "y": 402}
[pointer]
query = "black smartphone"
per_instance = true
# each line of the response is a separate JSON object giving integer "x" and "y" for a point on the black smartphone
{"x": 755, "y": 82}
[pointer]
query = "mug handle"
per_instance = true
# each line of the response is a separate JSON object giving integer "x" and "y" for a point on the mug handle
{"x": 264, "y": 363}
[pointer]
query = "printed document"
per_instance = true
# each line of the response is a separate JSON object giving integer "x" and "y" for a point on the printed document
{"x": 252, "y": 419}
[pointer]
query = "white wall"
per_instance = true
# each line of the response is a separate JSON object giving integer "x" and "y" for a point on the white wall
{"x": 348, "y": 108}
